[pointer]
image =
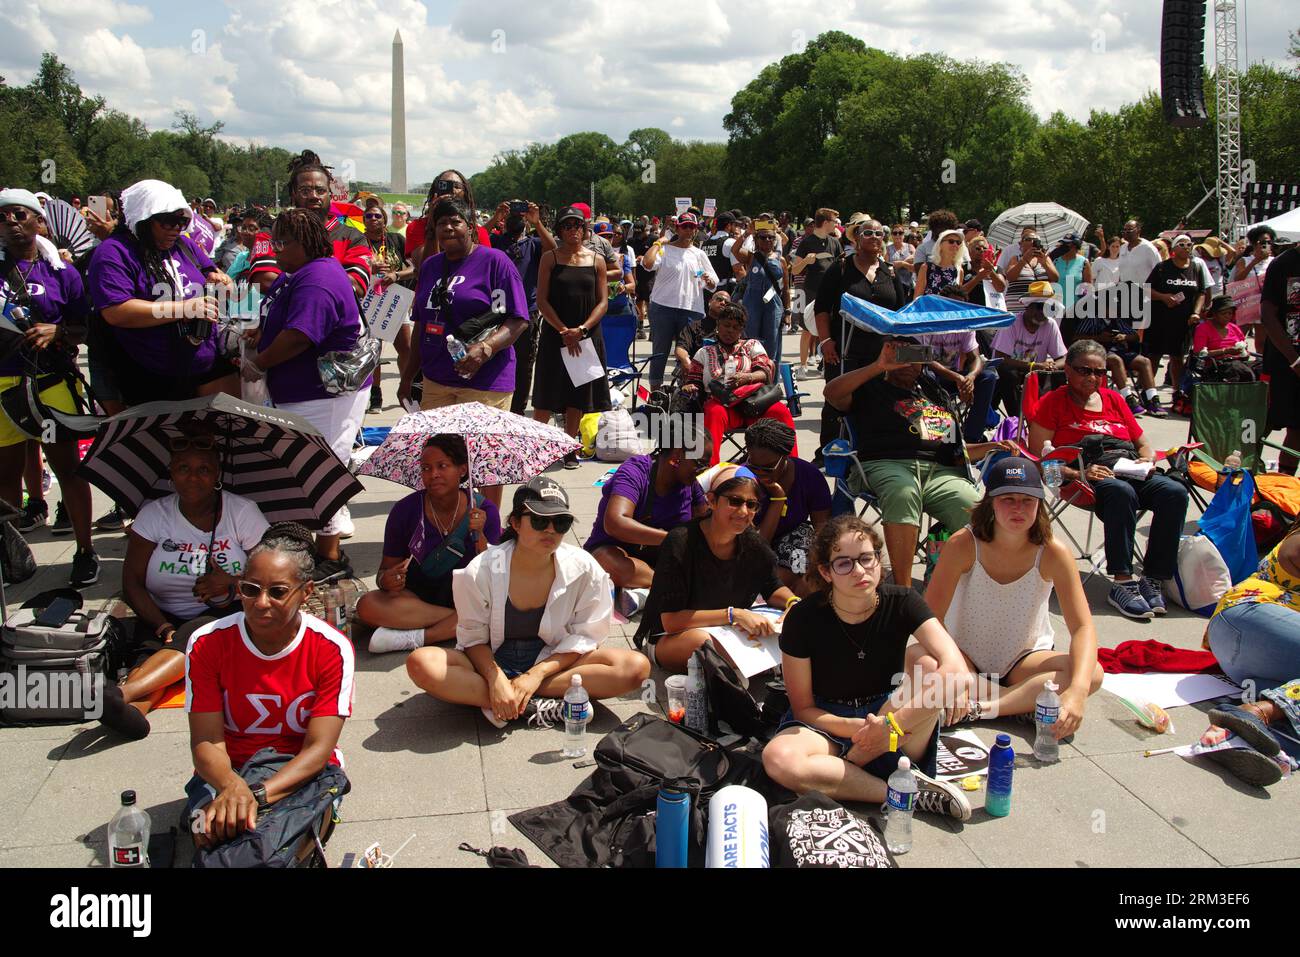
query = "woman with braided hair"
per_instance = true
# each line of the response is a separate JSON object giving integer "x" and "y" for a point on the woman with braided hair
{"x": 310, "y": 310}
{"x": 796, "y": 501}
{"x": 148, "y": 283}
{"x": 309, "y": 189}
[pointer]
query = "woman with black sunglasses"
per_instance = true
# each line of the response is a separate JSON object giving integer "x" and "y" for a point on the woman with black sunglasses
{"x": 533, "y": 612}
{"x": 150, "y": 284}
{"x": 185, "y": 553}
{"x": 708, "y": 574}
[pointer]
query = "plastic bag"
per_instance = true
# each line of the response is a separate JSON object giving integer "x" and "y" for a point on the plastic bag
{"x": 1201, "y": 578}
{"x": 1227, "y": 524}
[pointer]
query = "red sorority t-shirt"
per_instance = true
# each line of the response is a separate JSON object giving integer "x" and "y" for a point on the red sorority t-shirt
{"x": 267, "y": 702}
{"x": 415, "y": 236}
{"x": 1069, "y": 423}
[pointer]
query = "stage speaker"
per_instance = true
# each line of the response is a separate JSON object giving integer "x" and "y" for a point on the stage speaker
{"x": 1182, "y": 60}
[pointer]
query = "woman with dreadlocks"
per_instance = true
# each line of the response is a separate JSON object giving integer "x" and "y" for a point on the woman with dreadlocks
{"x": 309, "y": 189}
{"x": 310, "y": 311}
{"x": 421, "y": 241}
{"x": 147, "y": 281}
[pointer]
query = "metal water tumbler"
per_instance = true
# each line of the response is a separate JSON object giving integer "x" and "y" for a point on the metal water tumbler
{"x": 672, "y": 825}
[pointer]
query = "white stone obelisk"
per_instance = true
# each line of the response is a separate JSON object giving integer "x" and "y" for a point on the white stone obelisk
{"x": 398, "y": 177}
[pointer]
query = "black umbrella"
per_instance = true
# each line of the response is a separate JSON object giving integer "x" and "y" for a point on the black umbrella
{"x": 275, "y": 458}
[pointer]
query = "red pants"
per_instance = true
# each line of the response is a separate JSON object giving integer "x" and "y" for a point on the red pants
{"x": 719, "y": 420}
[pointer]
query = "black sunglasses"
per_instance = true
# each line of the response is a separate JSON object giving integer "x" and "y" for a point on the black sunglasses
{"x": 1090, "y": 373}
{"x": 17, "y": 215}
{"x": 767, "y": 468}
{"x": 739, "y": 501}
{"x": 183, "y": 443}
{"x": 541, "y": 523}
{"x": 172, "y": 222}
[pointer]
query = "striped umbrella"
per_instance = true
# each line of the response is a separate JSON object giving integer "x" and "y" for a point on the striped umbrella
{"x": 275, "y": 458}
{"x": 1051, "y": 220}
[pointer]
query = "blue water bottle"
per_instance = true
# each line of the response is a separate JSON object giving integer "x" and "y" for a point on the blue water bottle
{"x": 1002, "y": 761}
{"x": 672, "y": 814}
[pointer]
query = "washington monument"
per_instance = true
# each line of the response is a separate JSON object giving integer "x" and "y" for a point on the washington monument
{"x": 398, "y": 177}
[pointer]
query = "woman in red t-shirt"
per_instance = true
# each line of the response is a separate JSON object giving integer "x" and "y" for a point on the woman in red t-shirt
{"x": 420, "y": 245}
{"x": 1085, "y": 413}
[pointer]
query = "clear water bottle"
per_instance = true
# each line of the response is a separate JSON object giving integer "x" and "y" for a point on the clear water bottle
{"x": 900, "y": 800}
{"x": 1002, "y": 761}
{"x": 1046, "y": 711}
{"x": 1051, "y": 468}
{"x": 128, "y": 835}
{"x": 456, "y": 349}
{"x": 697, "y": 697}
{"x": 1233, "y": 461}
{"x": 729, "y": 370}
{"x": 577, "y": 712}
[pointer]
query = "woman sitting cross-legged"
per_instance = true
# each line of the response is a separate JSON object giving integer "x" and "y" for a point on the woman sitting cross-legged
{"x": 427, "y": 536}
{"x": 185, "y": 553}
{"x": 991, "y": 588}
{"x": 841, "y": 651}
{"x": 532, "y": 614}
{"x": 709, "y": 572}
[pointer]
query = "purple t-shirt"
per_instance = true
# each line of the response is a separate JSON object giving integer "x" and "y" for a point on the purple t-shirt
{"x": 471, "y": 283}
{"x": 1042, "y": 344}
{"x": 408, "y": 530}
{"x": 117, "y": 275}
{"x": 951, "y": 346}
{"x": 632, "y": 482}
{"x": 56, "y": 296}
{"x": 317, "y": 301}
{"x": 810, "y": 494}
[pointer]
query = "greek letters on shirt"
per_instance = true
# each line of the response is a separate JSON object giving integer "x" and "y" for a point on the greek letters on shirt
{"x": 269, "y": 714}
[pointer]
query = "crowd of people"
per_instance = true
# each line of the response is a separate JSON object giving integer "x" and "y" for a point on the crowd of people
{"x": 689, "y": 537}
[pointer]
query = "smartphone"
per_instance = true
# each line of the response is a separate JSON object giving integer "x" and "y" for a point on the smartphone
{"x": 518, "y": 206}
{"x": 443, "y": 187}
{"x": 98, "y": 205}
{"x": 913, "y": 352}
{"x": 56, "y": 613}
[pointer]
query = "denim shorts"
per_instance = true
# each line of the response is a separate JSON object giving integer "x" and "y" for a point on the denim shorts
{"x": 517, "y": 655}
{"x": 883, "y": 766}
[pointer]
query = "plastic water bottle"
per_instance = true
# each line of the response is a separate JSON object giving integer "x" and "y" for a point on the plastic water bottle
{"x": 1046, "y": 710}
{"x": 577, "y": 712}
{"x": 456, "y": 349}
{"x": 128, "y": 835}
{"x": 697, "y": 697}
{"x": 900, "y": 799}
{"x": 729, "y": 370}
{"x": 1051, "y": 468}
{"x": 1002, "y": 761}
{"x": 1233, "y": 461}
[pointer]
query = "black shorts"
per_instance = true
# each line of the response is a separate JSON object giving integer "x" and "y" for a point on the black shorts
{"x": 139, "y": 385}
{"x": 1167, "y": 339}
{"x": 145, "y": 643}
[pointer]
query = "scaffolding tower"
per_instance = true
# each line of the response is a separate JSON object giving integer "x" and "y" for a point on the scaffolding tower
{"x": 1227, "y": 103}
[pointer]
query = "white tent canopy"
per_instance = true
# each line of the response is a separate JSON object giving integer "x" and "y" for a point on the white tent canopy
{"x": 1285, "y": 226}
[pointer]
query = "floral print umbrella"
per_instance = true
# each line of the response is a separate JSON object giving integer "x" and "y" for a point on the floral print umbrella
{"x": 504, "y": 448}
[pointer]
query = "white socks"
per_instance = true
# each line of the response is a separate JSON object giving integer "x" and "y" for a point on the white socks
{"x": 385, "y": 640}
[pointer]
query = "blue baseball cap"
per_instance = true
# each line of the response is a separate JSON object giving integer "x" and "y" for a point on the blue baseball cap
{"x": 1014, "y": 476}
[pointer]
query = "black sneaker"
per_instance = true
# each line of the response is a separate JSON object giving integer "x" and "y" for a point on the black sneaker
{"x": 1134, "y": 404}
{"x": 85, "y": 568}
{"x": 1154, "y": 407}
{"x": 35, "y": 514}
{"x": 332, "y": 569}
{"x": 114, "y": 520}
{"x": 62, "y": 524}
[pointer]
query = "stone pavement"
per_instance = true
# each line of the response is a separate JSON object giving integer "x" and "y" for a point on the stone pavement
{"x": 443, "y": 775}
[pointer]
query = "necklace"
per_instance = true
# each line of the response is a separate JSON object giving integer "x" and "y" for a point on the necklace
{"x": 445, "y": 531}
{"x": 862, "y": 652}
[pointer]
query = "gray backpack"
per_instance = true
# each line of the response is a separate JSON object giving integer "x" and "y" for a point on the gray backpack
{"x": 58, "y": 674}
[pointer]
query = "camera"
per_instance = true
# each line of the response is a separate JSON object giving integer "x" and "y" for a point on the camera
{"x": 20, "y": 317}
{"x": 518, "y": 206}
{"x": 913, "y": 352}
{"x": 444, "y": 187}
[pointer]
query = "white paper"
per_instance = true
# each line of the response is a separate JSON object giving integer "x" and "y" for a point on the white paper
{"x": 710, "y": 207}
{"x": 683, "y": 204}
{"x": 994, "y": 299}
{"x": 751, "y": 655}
{"x": 1169, "y": 690}
{"x": 1127, "y": 468}
{"x": 584, "y": 367}
{"x": 385, "y": 310}
{"x": 1197, "y": 749}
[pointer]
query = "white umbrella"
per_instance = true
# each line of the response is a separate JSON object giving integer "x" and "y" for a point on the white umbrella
{"x": 1052, "y": 220}
{"x": 1286, "y": 226}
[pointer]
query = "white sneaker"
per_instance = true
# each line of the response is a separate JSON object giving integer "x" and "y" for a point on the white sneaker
{"x": 492, "y": 718}
{"x": 344, "y": 521}
{"x": 630, "y": 601}
{"x": 385, "y": 640}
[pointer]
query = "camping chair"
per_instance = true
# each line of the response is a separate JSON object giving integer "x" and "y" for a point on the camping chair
{"x": 1228, "y": 417}
{"x": 622, "y": 368}
{"x": 793, "y": 397}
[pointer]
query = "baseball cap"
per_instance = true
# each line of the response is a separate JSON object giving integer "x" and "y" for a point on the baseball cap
{"x": 1014, "y": 476}
{"x": 686, "y": 219}
{"x": 542, "y": 496}
{"x": 583, "y": 208}
{"x": 725, "y": 219}
{"x": 572, "y": 212}
{"x": 601, "y": 228}
{"x": 973, "y": 224}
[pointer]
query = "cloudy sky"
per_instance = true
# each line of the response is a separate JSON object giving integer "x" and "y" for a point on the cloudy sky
{"x": 495, "y": 74}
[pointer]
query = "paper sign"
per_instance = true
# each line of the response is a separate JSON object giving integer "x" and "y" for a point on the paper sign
{"x": 710, "y": 207}
{"x": 751, "y": 655}
{"x": 683, "y": 204}
{"x": 202, "y": 233}
{"x": 994, "y": 299}
{"x": 385, "y": 310}
{"x": 1245, "y": 295}
{"x": 585, "y": 366}
{"x": 961, "y": 754}
{"x": 1169, "y": 690}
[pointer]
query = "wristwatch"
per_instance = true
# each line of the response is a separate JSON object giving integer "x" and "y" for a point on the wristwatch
{"x": 259, "y": 794}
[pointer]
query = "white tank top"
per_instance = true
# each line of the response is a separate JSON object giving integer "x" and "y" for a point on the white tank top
{"x": 995, "y": 624}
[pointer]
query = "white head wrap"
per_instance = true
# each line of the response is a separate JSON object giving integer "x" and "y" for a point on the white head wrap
{"x": 21, "y": 197}
{"x": 149, "y": 197}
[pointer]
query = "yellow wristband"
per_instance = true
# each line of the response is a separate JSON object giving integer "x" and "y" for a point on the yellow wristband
{"x": 893, "y": 722}
{"x": 792, "y": 600}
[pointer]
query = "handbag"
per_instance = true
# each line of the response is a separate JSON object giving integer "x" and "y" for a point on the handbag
{"x": 753, "y": 404}
{"x": 343, "y": 372}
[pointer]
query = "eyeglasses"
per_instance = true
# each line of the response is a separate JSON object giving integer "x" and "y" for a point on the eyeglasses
{"x": 767, "y": 468}
{"x": 1089, "y": 372}
{"x": 845, "y": 565}
{"x": 897, "y": 232}
{"x": 871, "y": 233}
{"x": 305, "y": 190}
{"x": 739, "y": 501}
{"x": 373, "y": 216}
{"x": 952, "y": 241}
{"x": 541, "y": 523}
{"x": 251, "y": 591}
{"x": 172, "y": 222}
{"x": 766, "y": 239}
{"x": 17, "y": 215}
{"x": 183, "y": 443}
{"x": 1258, "y": 242}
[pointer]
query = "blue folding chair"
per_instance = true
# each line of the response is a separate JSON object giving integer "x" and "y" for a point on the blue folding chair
{"x": 621, "y": 363}
{"x": 793, "y": 396}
